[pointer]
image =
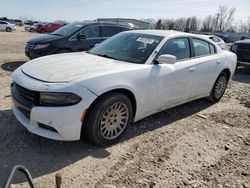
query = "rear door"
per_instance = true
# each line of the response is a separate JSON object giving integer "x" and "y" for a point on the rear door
{"x": 109, "y": 30}
{"x": 206, "y": 68}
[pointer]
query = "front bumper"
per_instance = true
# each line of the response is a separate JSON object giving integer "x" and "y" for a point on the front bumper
{"x": 31, "y": 53}
{"x": 58, "y": 123}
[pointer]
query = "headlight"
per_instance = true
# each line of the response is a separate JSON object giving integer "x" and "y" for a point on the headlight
{"x": 40, "y": 46}
{"x": 58, "y": 99}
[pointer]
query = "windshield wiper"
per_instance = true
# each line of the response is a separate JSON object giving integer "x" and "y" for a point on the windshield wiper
{"x": 56, "y": 34}
{"x": 107, "y": 56}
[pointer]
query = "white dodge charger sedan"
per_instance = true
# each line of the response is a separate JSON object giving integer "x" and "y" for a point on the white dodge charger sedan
{"x": 129, "y": 76}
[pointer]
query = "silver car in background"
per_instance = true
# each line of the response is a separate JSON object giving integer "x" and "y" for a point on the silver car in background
{"x": 6, "y": 26}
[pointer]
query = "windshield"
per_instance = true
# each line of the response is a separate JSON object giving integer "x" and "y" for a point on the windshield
{"x": 68, "y": 29}
{"x": 128, "y": 46}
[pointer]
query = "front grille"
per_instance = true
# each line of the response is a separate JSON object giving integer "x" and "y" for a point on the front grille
{"x": 24, "y": 99}
{"x": 243, "y": 52}
{"x": 30, "y": 95}
{"x": 30, "y": 46}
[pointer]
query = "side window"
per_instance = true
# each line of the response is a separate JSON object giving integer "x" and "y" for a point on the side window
{"x": 201, "y": 47}
{"x": 91, "y": 32}
{"x": 178, "y": 47}
{"x": 109, "y": 31}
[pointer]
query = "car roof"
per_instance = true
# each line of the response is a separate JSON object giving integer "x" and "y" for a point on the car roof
{"x": 245, "y": 41}
{"x": 164, "y": 33}
{"x": 103, "y": 22}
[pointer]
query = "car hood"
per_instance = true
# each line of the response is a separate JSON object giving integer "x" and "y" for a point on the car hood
{"x": 70, "y": 66}
{"x": 44, "y": 39}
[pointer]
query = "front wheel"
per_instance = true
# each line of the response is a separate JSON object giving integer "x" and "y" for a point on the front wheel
{"x": 219, "y": 87}
{"x": 108, "y": 119}
{"x": 8, "y": 29}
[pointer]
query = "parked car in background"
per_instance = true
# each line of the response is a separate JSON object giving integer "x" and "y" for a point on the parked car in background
{"x": 33, "y": 28}
{"x": 125, "y": 78}
{"x": 242, "y": 50}
{"x": 223, "y": 37}
{"x": 48, "y": 28}
{"x": 30, "y": 22}
{"x": 217, "y": 40}
{"x": 77, "y": 36}
{"x": 4, "y": 19}
{"x": 16, "y": 22}
{"x": 6, "y": 26}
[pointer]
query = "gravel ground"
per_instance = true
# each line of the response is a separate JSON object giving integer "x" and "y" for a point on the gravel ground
{"x": 198, "y": 144}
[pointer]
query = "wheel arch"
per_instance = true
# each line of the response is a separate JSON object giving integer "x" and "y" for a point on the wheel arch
{"x": 124, "y": 91}
{"x": 228, "y": 72}
{"x": 128, "y": 93}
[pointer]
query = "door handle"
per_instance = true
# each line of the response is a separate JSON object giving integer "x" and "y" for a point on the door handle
{"x": 191, "y": 69}
{"x": 218, "y": 62}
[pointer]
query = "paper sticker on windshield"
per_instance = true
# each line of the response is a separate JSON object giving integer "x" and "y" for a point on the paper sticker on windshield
{"x": 145, "y": 40}
{"x": 78, "y": 25}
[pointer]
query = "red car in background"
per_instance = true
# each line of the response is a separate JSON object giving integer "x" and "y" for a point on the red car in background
{"x": 47, "y": 28}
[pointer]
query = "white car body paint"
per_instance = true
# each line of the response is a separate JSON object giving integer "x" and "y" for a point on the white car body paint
{"x": 155, "y": 87}
{"x": 4, "y": 25}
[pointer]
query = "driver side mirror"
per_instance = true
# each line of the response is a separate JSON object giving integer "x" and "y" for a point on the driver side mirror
{"x": 166, "y": 59}
{"x": 81, "y": 37}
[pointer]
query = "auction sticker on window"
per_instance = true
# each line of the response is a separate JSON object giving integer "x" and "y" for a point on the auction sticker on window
{"x": 145, "y": 40}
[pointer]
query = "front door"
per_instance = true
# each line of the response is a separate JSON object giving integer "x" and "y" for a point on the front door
{"x": 92, "y": 34}
{"x": 172, "y": 83}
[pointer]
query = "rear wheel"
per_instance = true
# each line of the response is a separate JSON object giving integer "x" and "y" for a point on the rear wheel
{"x": 219, "y": 87}
{"x": 8, "y": 29}
{"x": 108, "y": 119}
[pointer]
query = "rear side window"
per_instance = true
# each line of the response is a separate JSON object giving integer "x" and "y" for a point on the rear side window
{"x": 109, "y": 31}
{"x": 178, "y": 47}
{"x": 91, "y": 32}
{"x": 201, "y": 47}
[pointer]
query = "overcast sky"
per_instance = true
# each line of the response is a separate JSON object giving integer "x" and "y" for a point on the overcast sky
{"x": 71, "y": 10}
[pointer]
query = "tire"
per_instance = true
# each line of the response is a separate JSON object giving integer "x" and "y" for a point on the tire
{"x": 219, "y": 88}
{"x": 31, "y": 30}
{"x": 62, "y": 51}
{"x": 108, "y": 119}
{"x": 8, "y": 29}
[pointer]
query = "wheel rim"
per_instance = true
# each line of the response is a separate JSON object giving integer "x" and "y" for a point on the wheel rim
{"x": 220, "y": 87}
{"x": 114, "y": 120}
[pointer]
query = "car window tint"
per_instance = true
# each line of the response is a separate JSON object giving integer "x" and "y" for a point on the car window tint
{"x": 178, "y": 47}
{"x": 91, "y": 32}
{"x": 201, "y": 47}
{"x": 212, "y": 49}
{"x": 109, "y": 31}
